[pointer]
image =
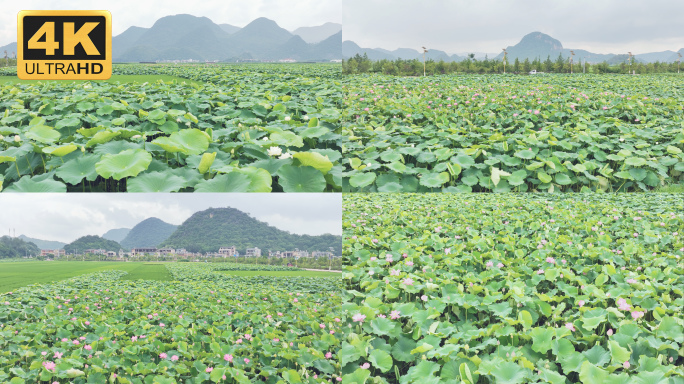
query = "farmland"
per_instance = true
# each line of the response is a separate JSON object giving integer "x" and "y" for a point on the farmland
{"x": 514, "y": 288}
{"x": 203, "y": 326}
{"x": 234, "y": 128}
{"x": 18, "y": 274}
{"x": 472, "y": 133}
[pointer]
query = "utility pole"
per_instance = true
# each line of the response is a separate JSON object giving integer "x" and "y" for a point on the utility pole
{"x": 424, "y": 52}
{"x": 504, "y": 59}
{"x": 630, "y": 62}
{"x": 572, "y": 53}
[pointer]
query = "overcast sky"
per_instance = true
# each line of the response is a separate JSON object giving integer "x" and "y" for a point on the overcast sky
{"x": 289, "y": 14}
{"x": 66, "y": 217}
{"x": 457, "y": 26}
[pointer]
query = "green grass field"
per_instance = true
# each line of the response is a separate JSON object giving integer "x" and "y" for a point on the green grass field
{"x": 113, "y": 79}
{"x": 19, "y": 274}
{"x": 283, "y": 273}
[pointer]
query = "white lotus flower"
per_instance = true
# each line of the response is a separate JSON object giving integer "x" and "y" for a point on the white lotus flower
{"x": 17, "y": 138}
{"x": 287, "y": 118}
{"x": 306, "y": 117}
{"x": 275, "y": 151}
{"x": 285, "y": 156}
{"x": 136, "y": 136}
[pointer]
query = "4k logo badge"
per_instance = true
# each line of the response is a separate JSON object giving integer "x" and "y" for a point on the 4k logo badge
{"x": 64, "y": 45}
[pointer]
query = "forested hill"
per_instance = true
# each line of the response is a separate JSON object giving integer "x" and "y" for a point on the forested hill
{"x": 208, "y": 230}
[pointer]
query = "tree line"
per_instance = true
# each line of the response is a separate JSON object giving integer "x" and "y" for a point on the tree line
{"x": 414, "y": 67}
{"x": 14, "y": 247}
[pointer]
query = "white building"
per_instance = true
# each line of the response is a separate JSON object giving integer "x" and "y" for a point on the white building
{"x": 253, "y": 252}
{"x": 227, "y": 251}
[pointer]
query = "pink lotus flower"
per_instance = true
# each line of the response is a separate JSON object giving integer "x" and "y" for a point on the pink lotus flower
{"x": 209, "y": 369}
{"x": 631, "y": 281}
{"x": 395, "y": 315}
{"x": 365, "y": 366}
{"x": 49, "y": 365}
{"x": 58, "y": 355}
{"x": 174, "y": 358}
{"x": 626, "y": 364}
{"x": 500, "y": 265}
{"x": 424, "y": 298}
{"x": 408, "y": 281}
{"x": 610, "y": 332}
{"x": 358, "y": 318}
{"x": 88, "y": 348}
{"x": 581, "y": 303}
{"x": 163, "y": 355}
{"x": 570, "y": 326}
{"x": 637, "y": 314}
{"x": 246, "y": 360}
{"x": 490, "y": 264}
{"x": 228, "y": 358}
{"x": 328, "y": 355}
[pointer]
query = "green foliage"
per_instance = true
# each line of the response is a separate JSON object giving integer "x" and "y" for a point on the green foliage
{"x": 211, "y": 229}
{"x": 521, "y": 288}
{"x": 14, "y": 247}
{"x": 241, "y": 122}
{"x": 250, "y": 329}
{"x": 513, "y": 134}
{"x": 79, "y": 245}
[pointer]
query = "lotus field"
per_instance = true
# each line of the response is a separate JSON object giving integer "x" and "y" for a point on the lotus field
{"x": 244, "y": 129}
{"x": 202, "y": 327}
{"x": 513, "y": 133}
{"x": 515, "y": 288}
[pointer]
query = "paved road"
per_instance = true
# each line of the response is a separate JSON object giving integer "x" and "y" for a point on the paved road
{"x": 321, "y": 270}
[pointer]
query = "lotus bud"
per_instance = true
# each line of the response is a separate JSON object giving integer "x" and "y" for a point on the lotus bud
{"x": 17, "y": 139}
{"x": 287, "y": 118}
{"x": 83, "y": 149}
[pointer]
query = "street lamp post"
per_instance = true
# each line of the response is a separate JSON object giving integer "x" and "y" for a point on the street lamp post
{"x": 572, "y": 53}
{"x": 424, "y": 52}
{"x": 504, "y": 59}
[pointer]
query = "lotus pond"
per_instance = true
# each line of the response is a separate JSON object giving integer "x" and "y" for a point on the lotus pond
{"x": 203, "y": 327}
{"x": 242, "y": 129}
{"x": 514, "y": 288}
{"x": 501, "y": 133}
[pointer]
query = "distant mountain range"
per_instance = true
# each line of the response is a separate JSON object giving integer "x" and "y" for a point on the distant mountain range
{"x": 204, "y": 231}
{"x": 211, "y": 229}
{"x": 148, "y": 233}
{"x": 43, "y": 244}
{"x": 532, "y": 46}
{"x": 116, "y": 234}
{"x": 187, "y": 37}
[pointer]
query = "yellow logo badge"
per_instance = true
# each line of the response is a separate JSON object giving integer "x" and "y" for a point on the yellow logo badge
{"x": 64, "y": 45}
